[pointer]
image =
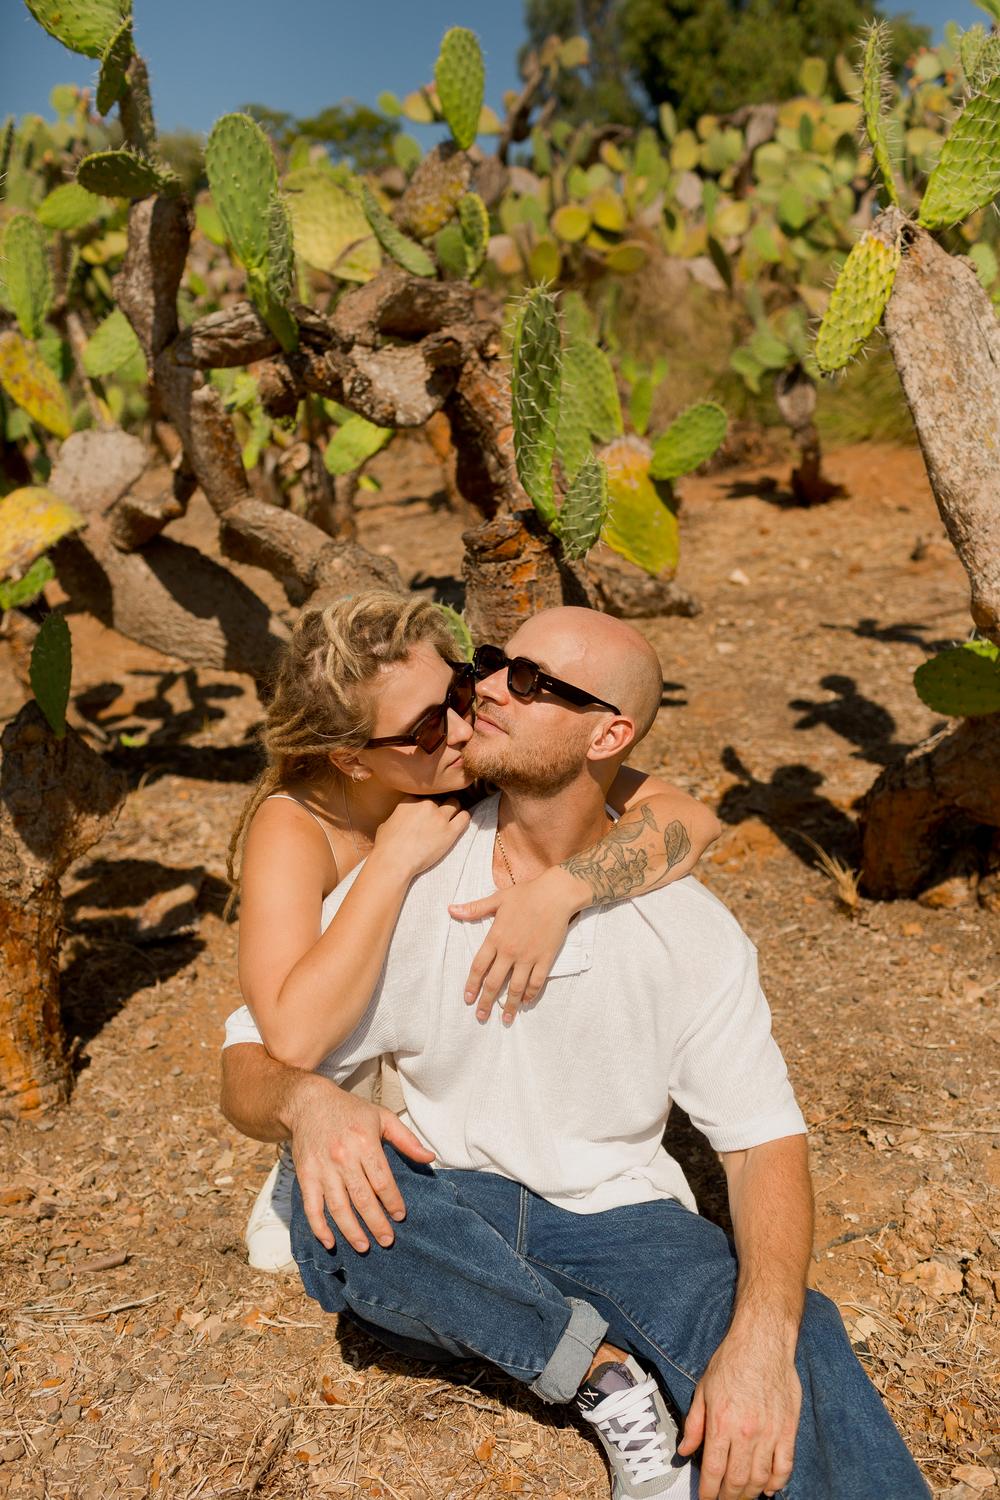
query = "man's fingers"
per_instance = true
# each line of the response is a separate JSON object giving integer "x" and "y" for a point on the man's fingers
{"x": 714, "y": 1462}
{"x": 312, "y": 1204}
{"x": 344, "y": 1217}
{"x": 694, "y": 1426}
{"x": 400, "y": 1136}
{"x": 365, "y": 1203}
{"x": 781, "y": 1466}
{"x": 474, "y": 911}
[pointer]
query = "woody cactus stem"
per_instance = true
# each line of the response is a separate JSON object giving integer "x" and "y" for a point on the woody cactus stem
{"x": 57, "y": 798}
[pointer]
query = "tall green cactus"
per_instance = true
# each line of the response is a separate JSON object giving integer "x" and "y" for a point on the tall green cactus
{"x": 460, "y": 77}
{"x": 535, "y": 384}
{"x": 28, "y": 273}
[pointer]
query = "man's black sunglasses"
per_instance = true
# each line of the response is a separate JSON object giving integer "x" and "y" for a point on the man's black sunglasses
{"x": 431, "y": 729}
{"x": 525, "y": 678}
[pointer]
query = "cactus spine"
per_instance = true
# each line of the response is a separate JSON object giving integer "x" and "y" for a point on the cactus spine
{"x": 460, "y": 77}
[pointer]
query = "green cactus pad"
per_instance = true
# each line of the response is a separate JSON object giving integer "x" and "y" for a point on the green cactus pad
{"x": 451, "y": 252}
{"x": 112, "y": 344}
{"x": 354, "y": 443}
{"x": 967, "y": 175}
{"x": 28, "y": 273}
{"x": 963, "y": 682}
{"x": 640, "y": 404}
{"x": 857, "y": 302}
{"x": 460, "y": 630}
{"x": 272, "y": 288}
{"x": 31, "y": 385}
{"x": 460, "y": 77}
{"x": 329, "y": 224}
{"x": 584, "y": 509}
{"x": 588, "y": 374}
{"x": 874, "y": 74}
{"x": 85, "y": 26}
{"x": 475, "y": 221}
{"x": 121, "y": 174}
{"x": 242, "y": 178}
{"x": 114, "y": 66}
{"x": 432, "y": 195}
{"x": 69, "y": 207}
{"x": 639, "y": 526}
{"x": 404, "y": 251}
{"x": 17, "y": 592}
{"x": 689, "y": 441}
{"x": 51, "y": 670}
{"x": 535, "y": 384}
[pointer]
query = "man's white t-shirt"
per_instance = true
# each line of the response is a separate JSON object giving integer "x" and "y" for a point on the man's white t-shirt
{"x": 649, "y": 1002}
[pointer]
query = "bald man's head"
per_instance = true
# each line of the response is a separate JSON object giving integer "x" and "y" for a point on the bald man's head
{"x": 600, "y": 653}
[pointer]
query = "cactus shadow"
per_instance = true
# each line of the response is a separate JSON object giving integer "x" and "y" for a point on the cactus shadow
{"x": 446, "y": 588}
{"x": 854, "y": 717}
{"x": 791, "y": 805}
{"x": 767, "y": 488}
{"x": 903, "y": 632}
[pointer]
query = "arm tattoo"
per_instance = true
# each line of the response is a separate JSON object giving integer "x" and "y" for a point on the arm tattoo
{"x": 676, "y": 843}
{"x": 609, "y": 867}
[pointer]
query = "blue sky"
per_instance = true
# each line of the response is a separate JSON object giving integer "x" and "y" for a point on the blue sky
{"x": 210, "y": 56}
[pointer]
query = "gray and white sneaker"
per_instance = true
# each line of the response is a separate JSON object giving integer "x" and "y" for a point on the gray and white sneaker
{"x": 639, "y": 1435}
{"x": 268, "y": 1231}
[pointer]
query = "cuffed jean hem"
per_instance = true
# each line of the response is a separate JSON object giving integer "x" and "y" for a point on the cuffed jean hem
{"x": 571, "y": 1358}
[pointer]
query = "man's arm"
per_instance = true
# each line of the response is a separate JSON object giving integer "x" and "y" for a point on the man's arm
{"x": 336, "y": 1141}
{"x": 746, "y": 1406}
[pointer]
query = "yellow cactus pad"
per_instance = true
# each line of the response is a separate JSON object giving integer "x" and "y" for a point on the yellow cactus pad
{"x": 857, "y": 302}
{"x": 329, "y": 226}
{"x": 31, "y": 521}
{"x": 30, "y": 383}
{"x": 639, "y": 526}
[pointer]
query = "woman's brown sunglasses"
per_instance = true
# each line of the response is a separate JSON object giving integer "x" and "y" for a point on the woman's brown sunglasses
{"x": 431, "y": 729}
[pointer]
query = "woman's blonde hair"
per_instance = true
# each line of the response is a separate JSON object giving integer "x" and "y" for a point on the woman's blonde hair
{"x": 319, "y": 704}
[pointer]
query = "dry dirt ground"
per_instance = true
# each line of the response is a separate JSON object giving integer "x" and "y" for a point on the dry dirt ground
{"x": 141, "y": 1356}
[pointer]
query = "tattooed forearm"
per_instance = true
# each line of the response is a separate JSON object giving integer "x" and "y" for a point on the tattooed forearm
{"x": 634, "y": 856}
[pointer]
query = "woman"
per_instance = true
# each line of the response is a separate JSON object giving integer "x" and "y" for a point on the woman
{"x": 366, "y": 726}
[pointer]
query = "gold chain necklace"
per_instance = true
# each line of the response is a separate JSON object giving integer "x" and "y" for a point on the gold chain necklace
{"x": 503, "y": 856}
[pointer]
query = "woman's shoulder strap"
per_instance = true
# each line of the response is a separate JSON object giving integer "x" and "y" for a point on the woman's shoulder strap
{"x": 287, "y": 797}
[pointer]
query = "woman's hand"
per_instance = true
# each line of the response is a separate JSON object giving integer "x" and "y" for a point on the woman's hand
{"x": 417, "y": 833}
{"x": 529, "y": 928}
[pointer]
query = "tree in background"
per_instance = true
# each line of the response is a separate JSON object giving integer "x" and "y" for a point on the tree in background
{"x": 701, "y": 56}
{"x": 350, "y": 132}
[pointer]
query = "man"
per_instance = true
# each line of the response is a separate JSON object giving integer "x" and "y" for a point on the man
{"x": 555, "y": 1237}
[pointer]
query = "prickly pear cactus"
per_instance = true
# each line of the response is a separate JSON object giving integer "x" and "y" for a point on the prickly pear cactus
{"x": 243, "y": 181}
{"x": 406, "y": 252}
{"x": 114, "y": 66}
{"x": 967, "y": 175}
{"x": 122, "y": 174}
{"x": 111, "y": 345}
{"x": 31, "y": 521}
{"x": 353, "y": 443}
{"x": 873, "y": 88}
{"x": 460, "y": 630}
{"x": 85, "y": 26}
{"x": 451, "y": 251}
{"x": 433, "y": 193}
{"x": 51, "y": 670}
{"x": 28, "y": 273}
{"x": 584, "y": 509}
{"x": 460, "y": 77}
{"x": 69, "y": 206}
{"x": 639, "y": 526}
{"x": 587, "y": 370}
{"x": 858, "y": 301}
{"x": 329, "y": 225}
{"x": 689, "y": 441}
{"x": 535, "y": 384}
{"x": 963, "y": 682}
{"x": 31, "y": 385}
{"x": 279, "y": 275}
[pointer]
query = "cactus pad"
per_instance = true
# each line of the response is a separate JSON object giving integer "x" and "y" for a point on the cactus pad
{"x": 242, "y": 178}
{"x": 433, "y": 192}
{"x": 329, "y": 225}
{"x": 451, "y": 252}
{"x": 963, "y": 682}
{"x": 114, "y": 66}
{"x": 121, "y": 174}
{"x": 31, "y": 521}
{"x": 17, "y": 592}
{"x": 353, "y": 443}
{"x": 28, "y": 273}
{"x": 639, "y": 526}
{"x": 31, "y": 385}
{"x": 460, "y": 77}
{"x": 460, "y": 630}
{"x": 689, "y": 441}
{"x": 587, "y": 372}
{"x": 85, "y": 26}
{"x": 873, "y": 83}
{"x": 475, "y": 221}
{"x": 68, "y": 207}
{"x": 584, "y": 509}
{"x": 535, "y": 385}
{"x": 406, "y": 252}
{"x": 51, "y": 670}
{"x": 857, "y": 302}
{"x": 967, "y": 175}
{"x": 112, "y": 344}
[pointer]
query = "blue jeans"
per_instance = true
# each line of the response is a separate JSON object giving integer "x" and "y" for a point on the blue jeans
{"x": 483, "y": 1268}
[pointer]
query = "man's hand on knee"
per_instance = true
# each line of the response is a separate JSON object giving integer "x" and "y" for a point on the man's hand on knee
{"x": 341, "y": 1165}
{"x": 744, "y": 1416}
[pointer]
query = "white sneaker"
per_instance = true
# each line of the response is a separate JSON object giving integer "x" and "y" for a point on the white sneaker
{"x": 268, "y": 1231}
{"x": 637, "y": 1432}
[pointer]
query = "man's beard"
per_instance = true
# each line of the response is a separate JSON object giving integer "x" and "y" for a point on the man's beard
{"x": 530, "y": 770}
